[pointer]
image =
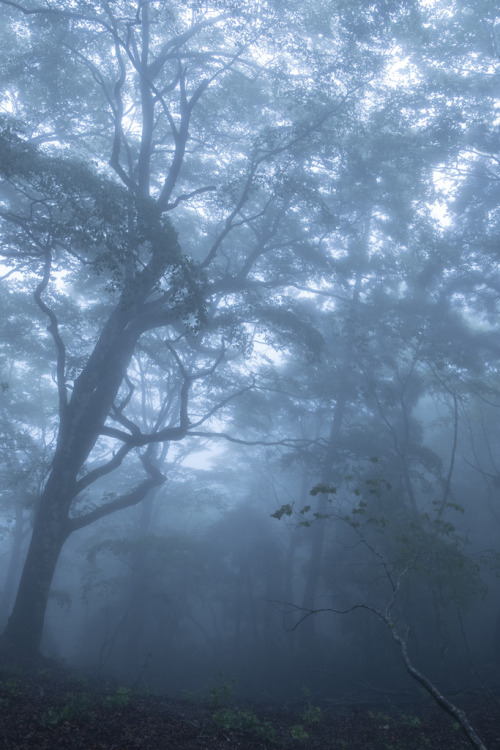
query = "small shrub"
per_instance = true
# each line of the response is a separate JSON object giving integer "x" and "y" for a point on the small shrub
{"x": 299, "y": 733}
{"x": 77, "y": 707}
{"x": 246, "y": 722}
{"x": 311, "y": 715}
{"x": 267, "y": 732}
{"x": 233, "y": 719}
{"x": 410, "y": 720}
{"x": 218, "y": 695}
{"x": 78, "y": 680}
{"x": 120, "y": 699}
{"x": 12, "y": 687}
{"x": 51, "y": 717}
{"x": 224, "y": 718}
{"x": 189, "y": 697}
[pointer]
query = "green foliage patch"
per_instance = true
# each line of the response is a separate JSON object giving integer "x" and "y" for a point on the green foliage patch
{"x": 79, "y": 706}
{"x": 120, "y": 699}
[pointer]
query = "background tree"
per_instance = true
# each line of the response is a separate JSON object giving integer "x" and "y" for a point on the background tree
{"x": 251, "y": 235}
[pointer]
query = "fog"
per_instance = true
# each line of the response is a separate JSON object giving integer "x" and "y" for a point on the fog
{"x": 201, "y": 586}
{"x": 249, "y": 360}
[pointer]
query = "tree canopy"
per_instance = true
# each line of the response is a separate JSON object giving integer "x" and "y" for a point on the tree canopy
{"x": 248, "y": 249}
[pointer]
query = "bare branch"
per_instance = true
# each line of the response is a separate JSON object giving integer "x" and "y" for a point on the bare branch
{"x": 287, "y": 442}
{"x": 172, "y": 46}
{"x": 101, "y": 471}
{"x": 134, "y": 497}
{"x": 139, "y": 440}
{"x": 309, "y": 612}
{"x": 180, "y": 136}
{"x": 53, "y": 329}
{"x": 187, "y": 196}
{"x": 228, "y": 226}
{"x": 125, "y": 402}
{"x": 117, "y": 415}
{"x": 402, "y": 642}
{"x": 220, "y": 405}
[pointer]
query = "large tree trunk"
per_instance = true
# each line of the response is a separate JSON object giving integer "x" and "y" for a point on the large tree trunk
{"x": 81, "y": 422}
{"x": 11, "y": 578}
{"x": 25, "y": 626}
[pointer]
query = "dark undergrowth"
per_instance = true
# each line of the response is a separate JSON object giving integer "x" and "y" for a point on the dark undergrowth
{"x": 47, "y": 707}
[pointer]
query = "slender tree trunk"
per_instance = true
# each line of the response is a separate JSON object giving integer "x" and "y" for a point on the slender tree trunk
{"x": 359, "y": 254}
{"x": 431, "y": 688}
{"x": 136, "y": 645}
{"x": 313, "y": 573}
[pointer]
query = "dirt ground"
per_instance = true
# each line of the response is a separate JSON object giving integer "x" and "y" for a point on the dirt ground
{"x": 47, "y": 707}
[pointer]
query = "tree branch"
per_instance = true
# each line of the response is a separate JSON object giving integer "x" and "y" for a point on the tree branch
{"x": 101, "y": 471}
{"x": 140, "y": 440}
{"x": 53, "y": 329}
{"x": 134, "y": 497}
{"x": 287, "y": 442}
{"x": 402, "y": 642}
{"x": 187, "y": 196}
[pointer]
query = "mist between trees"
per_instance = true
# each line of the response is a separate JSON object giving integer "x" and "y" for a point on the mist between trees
{"x": 250, "y": 253}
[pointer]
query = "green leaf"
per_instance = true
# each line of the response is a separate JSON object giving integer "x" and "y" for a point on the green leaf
{"x": 284, "y": 510}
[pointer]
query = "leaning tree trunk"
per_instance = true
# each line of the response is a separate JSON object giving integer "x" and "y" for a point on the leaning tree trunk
{"x": 11, "y": 577}
{"x": 25, "y": 625}
{"x": 81, "y": 423}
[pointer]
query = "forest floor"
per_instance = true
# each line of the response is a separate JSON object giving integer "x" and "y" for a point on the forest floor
{"x": 47, "y": 707}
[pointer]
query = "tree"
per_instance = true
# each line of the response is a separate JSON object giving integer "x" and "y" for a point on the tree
{"x": 183, "y": 182}
{"x": 394, "y": 549}
{"x": 26, "y": 435}
{"x": 88, "y": 195}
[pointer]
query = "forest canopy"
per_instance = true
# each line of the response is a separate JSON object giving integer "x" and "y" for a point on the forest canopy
{"x": 249, "y": 355}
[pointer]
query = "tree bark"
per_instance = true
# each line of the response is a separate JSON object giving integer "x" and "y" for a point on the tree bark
{"x": 314, "y": 567}
{"x": 25, "y": 625}
{"x": 10, "y": 583}
{"x": 441, "y": 700}
{"x": 80, "y": 426}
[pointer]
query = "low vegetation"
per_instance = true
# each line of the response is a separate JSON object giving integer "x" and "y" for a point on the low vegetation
{"x": 49, "y": 708}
